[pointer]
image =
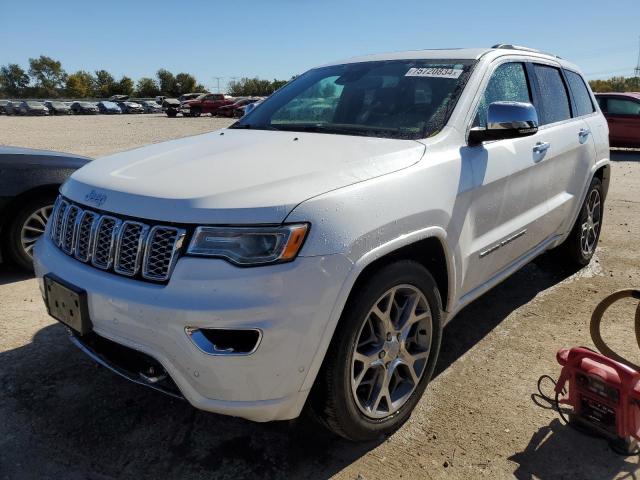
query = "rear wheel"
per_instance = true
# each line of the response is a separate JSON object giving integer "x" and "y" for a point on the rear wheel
{"x": 26, "y": 227}
{"x": 195, "y": 112}
{"x": 383, "y": 354}
{"x": 581, "y": 244}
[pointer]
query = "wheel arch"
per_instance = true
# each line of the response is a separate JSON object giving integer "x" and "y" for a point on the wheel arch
{"x": 603, "y": 172}
{"x": 427, "y": 247}
{"x": 430, "y": 252}
{"x": 14, "y": 204}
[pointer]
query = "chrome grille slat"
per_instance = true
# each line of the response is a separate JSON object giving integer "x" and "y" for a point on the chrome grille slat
{"x": 69, "y": 232}
{"x": 130, "y": 247}
{"x": 125, "y": 247}
{"x": 54, "y": 216}
{"x": 59, "y": 222}
{"x": 104, "y": 242}
{"x": 84, "y": 237}
{"x": 160, "y": 252}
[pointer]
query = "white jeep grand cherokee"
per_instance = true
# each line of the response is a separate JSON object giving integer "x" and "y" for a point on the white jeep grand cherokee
{"x": 312, "y": 252}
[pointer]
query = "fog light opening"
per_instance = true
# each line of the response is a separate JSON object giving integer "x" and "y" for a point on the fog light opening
{"x": 222, "y": 341}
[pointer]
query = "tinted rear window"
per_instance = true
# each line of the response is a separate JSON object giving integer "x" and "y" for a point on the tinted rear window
{"x": 554, "y": 101}
{"x": 581, "y": 96}
{"x": 621, "y": 106}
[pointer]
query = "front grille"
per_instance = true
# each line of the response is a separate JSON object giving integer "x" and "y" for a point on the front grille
{"x": 125, "y": 247}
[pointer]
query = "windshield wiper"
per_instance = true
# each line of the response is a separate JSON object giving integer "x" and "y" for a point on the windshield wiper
{"x": 249, "y": 126}
{"x": 363, "y": 131}
{"x": 318, "y": 128}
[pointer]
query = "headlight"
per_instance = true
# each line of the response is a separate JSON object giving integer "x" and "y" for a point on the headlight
{"x": 249, "y": 246}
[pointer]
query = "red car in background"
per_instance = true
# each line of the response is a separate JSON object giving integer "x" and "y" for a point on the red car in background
{"x": 206, "y": 103}
{"x": 622, "y": 111}
{"x": 235, "y": 109}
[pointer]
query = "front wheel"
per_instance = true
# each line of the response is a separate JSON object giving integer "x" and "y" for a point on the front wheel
{"x": 25, "y": 229}
{"x": 382, "y": 354}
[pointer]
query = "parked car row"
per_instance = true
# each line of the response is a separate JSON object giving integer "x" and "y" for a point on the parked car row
{"x": 56, "y": 107}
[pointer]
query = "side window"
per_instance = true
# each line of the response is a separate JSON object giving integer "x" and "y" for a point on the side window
{"x": 602, "y": 101}
{"x": 507, "y": 84}
{"x": 618, "y": 106}
{"x": 584, "y": 105}
{"x": 554, "y": 101}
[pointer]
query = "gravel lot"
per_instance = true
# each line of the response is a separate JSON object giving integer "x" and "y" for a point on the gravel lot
{"x": 63, "y": 417}
{"x": 98, "y": 135}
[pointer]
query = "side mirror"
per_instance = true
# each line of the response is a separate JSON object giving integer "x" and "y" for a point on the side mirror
{"x": 506, "y": 120}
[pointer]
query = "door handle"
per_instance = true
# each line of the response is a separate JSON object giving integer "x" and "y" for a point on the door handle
{"x": 583, "y": 134}
{"x": 541, "y": 147}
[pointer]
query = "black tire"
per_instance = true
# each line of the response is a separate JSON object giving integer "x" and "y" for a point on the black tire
{"x": 171, "y": 114}
{"x": 332, "y": 401}
{"x": 195, "y": 112}
{"x": 13, "y": 244}
{"x": 572, "y": 249}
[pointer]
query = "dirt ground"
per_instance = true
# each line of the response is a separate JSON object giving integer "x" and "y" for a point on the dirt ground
{"x": 61, "y": 416}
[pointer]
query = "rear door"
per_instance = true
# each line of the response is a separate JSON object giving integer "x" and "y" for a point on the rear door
{"x": 567, "y": 137}
{"x": 623, "y": 115}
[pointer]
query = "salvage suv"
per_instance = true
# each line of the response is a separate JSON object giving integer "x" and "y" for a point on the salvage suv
{"x": 312, "y": 253}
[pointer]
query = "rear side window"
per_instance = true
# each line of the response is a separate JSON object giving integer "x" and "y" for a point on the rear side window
{"x": 554, "y": 101}
{"x": 584, "y": 105}
{"x": 507, "y": 84}
{"x": 619, "y": 106}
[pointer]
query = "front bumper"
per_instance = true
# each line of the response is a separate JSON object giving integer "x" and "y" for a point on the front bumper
{"x": 289, "y": 303}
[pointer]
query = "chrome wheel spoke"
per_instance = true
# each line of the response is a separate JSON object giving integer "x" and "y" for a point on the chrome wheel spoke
{"x": 33, "y": 227}
{"x": 591, "y": 226}
{"x": 391, "y": 351}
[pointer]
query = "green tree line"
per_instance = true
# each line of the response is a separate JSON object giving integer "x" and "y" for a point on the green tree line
{"x": 253, "y": 87}
{"x": 616, "y": 84}
{"x": 46, "y": 78}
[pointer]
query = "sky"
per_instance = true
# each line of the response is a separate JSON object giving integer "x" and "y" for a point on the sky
{"x": 280, "y": 38}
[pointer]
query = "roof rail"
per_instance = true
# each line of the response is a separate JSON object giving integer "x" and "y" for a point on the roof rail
{"x": 510, "y": 46}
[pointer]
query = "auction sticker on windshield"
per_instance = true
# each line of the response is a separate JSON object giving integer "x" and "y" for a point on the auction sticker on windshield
{"x": 434, "y": 72}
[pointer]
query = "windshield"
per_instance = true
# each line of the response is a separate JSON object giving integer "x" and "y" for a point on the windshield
{"x": 393, "y": 99}
{"x": 34, "y": 104}
{"x": 57, "y": 104}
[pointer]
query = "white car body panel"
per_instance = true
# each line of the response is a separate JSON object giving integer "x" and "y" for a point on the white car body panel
{"x": 196, "y": 179}
{"x": 363, "y": 197}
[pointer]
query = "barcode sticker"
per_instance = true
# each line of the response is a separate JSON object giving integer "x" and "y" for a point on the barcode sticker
{"x": 434, "y": 72}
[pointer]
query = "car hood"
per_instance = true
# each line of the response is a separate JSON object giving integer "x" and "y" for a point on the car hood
{"x": 234, "y": 176}
{"x": 18, "y": 157}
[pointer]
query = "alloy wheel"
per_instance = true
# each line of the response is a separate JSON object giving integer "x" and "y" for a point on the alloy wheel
{"x": 391, "y": 351}
{"x": 591, "y": 225}
{"x": 33, "y": 228}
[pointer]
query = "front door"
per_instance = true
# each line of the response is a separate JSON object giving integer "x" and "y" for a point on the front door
{"x": 507, "y": 213}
